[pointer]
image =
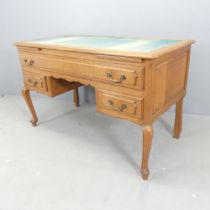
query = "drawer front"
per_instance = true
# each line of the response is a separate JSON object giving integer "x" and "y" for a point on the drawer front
{"x": 35, "y": 82}
{"x": 48, "y": 85}
{"x": 119, "y": 105}
{"x": 121, "y": 76}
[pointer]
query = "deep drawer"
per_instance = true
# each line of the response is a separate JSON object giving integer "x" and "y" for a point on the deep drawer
{"x": 119, "y": 105}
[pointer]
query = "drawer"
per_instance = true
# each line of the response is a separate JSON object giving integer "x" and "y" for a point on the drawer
{"x": 48, "y": 85}
{"x": 35, "y": 82}
{"x": 119, "y": 105}
{"x": 116, "y": 74}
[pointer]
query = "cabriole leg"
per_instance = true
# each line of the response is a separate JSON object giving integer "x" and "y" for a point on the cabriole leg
{"x": 147, "y": 141}
{"x": 27, "y": 97}
{"x": 178, "y": 119}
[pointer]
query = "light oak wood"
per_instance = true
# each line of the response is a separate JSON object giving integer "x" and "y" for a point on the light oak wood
{"x": 35, "y": 82}
{"x": 147, "y": 142}
{"x": 138, "y": 87}
{"x": 47, "y": 84}
{"x": 149, "y": 55}
{"x": 122, "y": 75}
{"x": 59, "y": 86}
{"x": 76, "y": 97}
{"x": 27, "y": 97}
{"x": 178, "y": 119}
{"x": 119, "y": 105}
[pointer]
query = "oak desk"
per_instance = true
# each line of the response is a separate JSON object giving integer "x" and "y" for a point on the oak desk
{"x": 134, "y": 79}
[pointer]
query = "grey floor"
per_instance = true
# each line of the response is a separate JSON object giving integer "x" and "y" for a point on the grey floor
{"x": 79, "y": 159}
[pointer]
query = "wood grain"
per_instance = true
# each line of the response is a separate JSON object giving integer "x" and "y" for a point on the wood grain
{"x": 76, "y": 97}
{"x": 178, "y": 119}
{"x": 150, "y": 55}
{"x": 147, "y": 142}
{"x": 138, "y": 87}
{"x": 27, "y": 97}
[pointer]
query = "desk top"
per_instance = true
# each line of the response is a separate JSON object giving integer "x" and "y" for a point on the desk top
{"x": 145, "y": 48}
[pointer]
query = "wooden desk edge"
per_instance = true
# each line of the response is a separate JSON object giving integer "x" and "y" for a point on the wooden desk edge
{"x": 149, "y": 55}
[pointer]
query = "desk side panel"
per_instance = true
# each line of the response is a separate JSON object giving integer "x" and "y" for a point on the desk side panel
{"x": 169, "y": 79}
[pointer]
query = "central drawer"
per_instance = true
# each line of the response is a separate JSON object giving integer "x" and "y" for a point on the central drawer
{"x": 117, "y": 75}
{"x": 119, "y": 105}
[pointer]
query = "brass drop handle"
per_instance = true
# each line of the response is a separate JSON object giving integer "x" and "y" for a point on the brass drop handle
{"x": 30, "y": 63}
{"x": 122, "y": 77}
{"x": 31, "y": 83}
{"x": 119, "y": 109}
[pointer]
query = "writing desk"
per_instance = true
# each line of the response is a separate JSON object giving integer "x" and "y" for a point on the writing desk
{"x": 134, "y": 79}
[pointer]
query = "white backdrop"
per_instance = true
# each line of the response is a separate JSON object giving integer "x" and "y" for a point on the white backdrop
{"x": 27, "y": 19}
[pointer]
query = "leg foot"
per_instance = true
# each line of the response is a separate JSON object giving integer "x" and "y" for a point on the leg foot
{"x": 27, "y": 97}
{"x": 178, "y": 119}
{"x": 147, "y": 141}
{"x": 76, "y": 97}
{"x": 144, "y": 174}
{"x": 34, "y": 124}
